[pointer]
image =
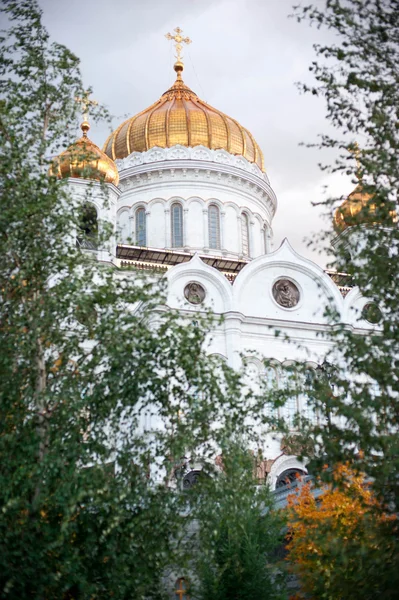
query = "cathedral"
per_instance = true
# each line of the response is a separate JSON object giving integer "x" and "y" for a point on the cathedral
{"x": 189, "y": 199}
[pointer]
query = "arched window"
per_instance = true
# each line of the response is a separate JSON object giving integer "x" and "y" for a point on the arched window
{"x": 214, "y": 226}
{"x": 177, "y": 225}
{"x": 141, "y": 233}
{"x": 181, "y": 587}
{"x": 289, "y": 477}
{"x": 88, "y": 227}
{"x": 245, "y": 234}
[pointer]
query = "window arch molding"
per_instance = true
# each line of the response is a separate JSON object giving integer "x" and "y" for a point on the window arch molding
{"x": 283, "y": 463}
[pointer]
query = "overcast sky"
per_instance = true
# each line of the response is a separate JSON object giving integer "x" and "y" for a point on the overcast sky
{"x": 245, "y": 58}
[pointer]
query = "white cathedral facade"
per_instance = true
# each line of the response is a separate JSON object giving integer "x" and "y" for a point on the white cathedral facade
{"x": 189, "y": 199}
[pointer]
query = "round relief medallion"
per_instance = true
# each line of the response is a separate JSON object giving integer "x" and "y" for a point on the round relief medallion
{"x": 371, "y": 313}
{"x": 194, "y": 293}
{"x": 286, "y": 293}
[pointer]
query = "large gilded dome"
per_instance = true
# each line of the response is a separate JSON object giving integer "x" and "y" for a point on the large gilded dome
{"x": 180, "y": 117}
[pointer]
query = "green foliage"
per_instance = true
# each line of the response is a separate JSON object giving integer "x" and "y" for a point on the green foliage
{"x": 357, "y": 75}
{"x": 361, "y": 93}
{"x": 239, "y": 535}
{"x": 91, "y": 364}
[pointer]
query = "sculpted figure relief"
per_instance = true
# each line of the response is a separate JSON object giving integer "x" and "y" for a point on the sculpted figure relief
{"x": 286, "y": 293}
{"x": 194, "y": 293}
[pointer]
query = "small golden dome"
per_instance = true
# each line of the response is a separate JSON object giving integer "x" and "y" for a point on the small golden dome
{"x": 358, "y": 209}
{"x": 180, "y": 117}
{"x": 85, "y": 160}
{"x": 346, "y": 215}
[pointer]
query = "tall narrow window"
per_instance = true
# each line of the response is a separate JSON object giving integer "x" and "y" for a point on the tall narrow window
{"x": 214, "y": 226}
{"x": 177, "y": 225}
{"x": 141, "y": 234}
{"x": 245, "y": 234}
{"x": 87, "y": 227}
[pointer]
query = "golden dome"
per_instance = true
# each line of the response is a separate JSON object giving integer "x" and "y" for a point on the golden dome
{"x": 180, "y": 117}
{"x": 358, "y": 209}
{"x": 85, "y": 160}
{"x": 346, "y": 215}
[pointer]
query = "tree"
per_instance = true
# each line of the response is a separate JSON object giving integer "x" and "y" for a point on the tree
{"x": 357, "y": 76}
{"x": 88, "y": 508}
{"x": 335, "y": 539}
{"x": 239, "y": 534}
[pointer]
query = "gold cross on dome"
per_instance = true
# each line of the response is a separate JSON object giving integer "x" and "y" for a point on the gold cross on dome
{"x": 86, "y": 103}
{"x": 179, "y": 39}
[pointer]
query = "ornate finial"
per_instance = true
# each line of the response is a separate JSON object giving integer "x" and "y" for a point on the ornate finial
{"x": 85, "y": 102}
{"x": 179, "y": 39}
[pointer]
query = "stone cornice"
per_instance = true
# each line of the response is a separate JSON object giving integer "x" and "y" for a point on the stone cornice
{"x": 182, "y": 165}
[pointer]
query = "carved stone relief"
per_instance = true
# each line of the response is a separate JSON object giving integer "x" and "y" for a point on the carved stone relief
{"x": 194, "y": 293}
{"x": 371, "y": 313}
{"x": 286, "y": 293}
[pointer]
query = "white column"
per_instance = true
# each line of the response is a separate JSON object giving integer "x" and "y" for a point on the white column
{"x": 186, "y": 242}
{"x": 168, "y": 240}
{"x": 232, "y": 327}
{"x": 268, "y": 239}
{"x": 252, "y": 248}
{"x": 239, "y": 233}
{"x": 131, "y": 234}
{"x": 222, "y": 227}
{"x": 147, "y": 228}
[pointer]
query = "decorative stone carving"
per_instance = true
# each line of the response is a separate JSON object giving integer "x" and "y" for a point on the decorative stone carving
{"x": 178, "y": 152}
{"x": 197, "y": 153}
{"x": 194, "y": 293}
{"x": 154, "y": 155}
{"x": 223, "y": 157}
{"x": 286, "y": 293}
{"x": 136, "y": 158}
{"x": 371, "y": 313}
{"x": 201, "y": 154}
